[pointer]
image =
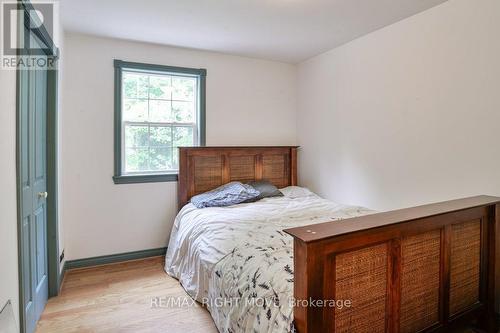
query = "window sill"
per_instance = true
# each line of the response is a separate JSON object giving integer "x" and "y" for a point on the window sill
{"x": 135, "y": 179}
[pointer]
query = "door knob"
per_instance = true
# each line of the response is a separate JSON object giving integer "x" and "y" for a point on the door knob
{"x": 43, "y": 195}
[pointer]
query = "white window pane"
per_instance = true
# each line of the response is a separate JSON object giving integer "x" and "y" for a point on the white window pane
{"x": 183, "y": 112}
{"x": 160, "y": 136}
{"x": 160, "y": 111}
{"x": 183, "y": 88}
{"x": 135, "y": 85}
{"x": 183, "y": 136}
{"x": 136, "y": 159}
{"x": 160, "y": 87}
{"x": 135, "y": 109}
{"x": 175, "y": 159}
{"x": 150, "y": 103}
{"x": 160, "y": 159}
{"x": 136, "y": 136}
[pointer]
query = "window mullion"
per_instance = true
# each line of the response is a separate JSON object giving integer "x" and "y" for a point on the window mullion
{"x": 159, "y": 124}
{"x": 197, "y": 112}
{"x": 172, "y": 145}
{"x": 149, "y": 126}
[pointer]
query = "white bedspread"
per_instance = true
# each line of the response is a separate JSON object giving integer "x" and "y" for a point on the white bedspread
{"x": 238, "y": 261}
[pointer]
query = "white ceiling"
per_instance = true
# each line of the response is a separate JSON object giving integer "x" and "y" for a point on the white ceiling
{"x": 284, "y": 30}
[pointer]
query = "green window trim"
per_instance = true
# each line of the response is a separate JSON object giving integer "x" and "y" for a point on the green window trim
{"x": 120, "y": 65}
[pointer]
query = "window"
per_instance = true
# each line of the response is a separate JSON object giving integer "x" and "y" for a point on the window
{"x": 157, "y": 109}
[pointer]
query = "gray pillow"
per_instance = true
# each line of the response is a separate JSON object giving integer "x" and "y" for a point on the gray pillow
{"x": 266, "y": 189}
{"x": 228, "y": 194}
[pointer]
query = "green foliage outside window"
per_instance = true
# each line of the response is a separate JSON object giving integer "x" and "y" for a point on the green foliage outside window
{"x": 159, "y": 114}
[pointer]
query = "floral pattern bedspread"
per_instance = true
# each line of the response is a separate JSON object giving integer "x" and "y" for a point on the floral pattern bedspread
{"x": 238, "y": 262}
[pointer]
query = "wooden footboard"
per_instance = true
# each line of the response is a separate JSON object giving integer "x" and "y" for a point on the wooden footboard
{"x": 418, "y": 269}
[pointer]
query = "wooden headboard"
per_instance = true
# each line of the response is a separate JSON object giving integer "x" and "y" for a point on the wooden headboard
{"x": 202, "y": 169}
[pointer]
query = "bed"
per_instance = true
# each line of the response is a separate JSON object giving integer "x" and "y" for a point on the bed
{"x": 302, "y": 263}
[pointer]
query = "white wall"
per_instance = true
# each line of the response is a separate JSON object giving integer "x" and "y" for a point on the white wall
{"x": 249, "y": 102}
{"x": 9, "y": 287}
{"x": 406, "y": 115}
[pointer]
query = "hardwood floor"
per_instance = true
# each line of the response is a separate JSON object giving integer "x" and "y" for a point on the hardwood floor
{"x": 119, "y": 298}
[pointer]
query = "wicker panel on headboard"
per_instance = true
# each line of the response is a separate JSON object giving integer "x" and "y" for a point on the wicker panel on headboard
{"x": 204, "y": 168}
{"x": 361, "y": 276}
{"x": 242, "y": 168}
{"x": 274, "y": 169}
{"x": 465, "y": 265}
{"x": 207, "y": 172}
{"x": 420, "y": 275}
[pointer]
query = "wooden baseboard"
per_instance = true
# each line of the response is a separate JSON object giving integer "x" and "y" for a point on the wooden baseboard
{"x": 113, "y": 258}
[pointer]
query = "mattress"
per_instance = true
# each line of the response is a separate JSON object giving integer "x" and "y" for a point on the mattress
{"x": 239, "y": 263}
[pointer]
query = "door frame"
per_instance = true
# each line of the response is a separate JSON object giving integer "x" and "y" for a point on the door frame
{"x": 53, "y": 264}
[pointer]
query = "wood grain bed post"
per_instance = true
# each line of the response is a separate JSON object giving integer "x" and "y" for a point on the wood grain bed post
{"x": 293, "y": 166}
{"x": 420, "y": 269}
{"x": 489, "y": 287}
{"x": 308, "y": 284}
{"x": 497, "y": 262}
{"x": 182, "y": 185}
{"x": 494, "y": 267}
